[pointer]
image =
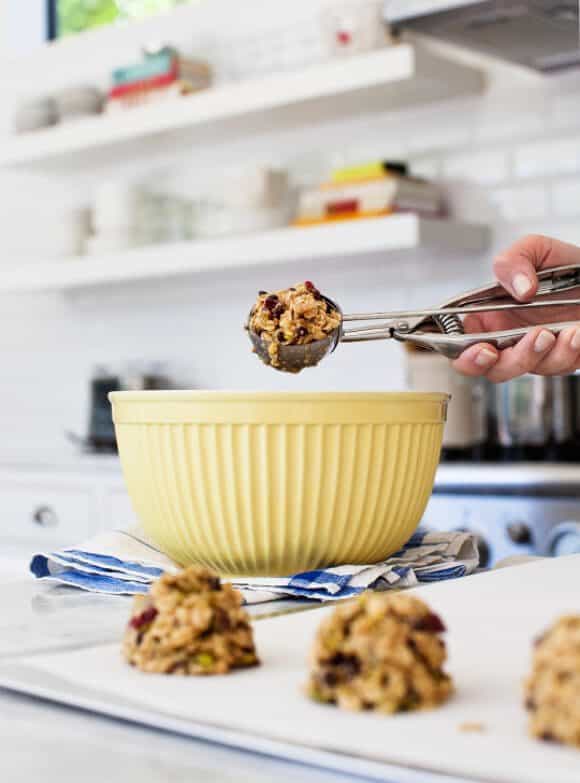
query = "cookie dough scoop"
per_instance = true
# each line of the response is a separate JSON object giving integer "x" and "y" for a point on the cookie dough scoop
{"x": 437, "y": 329}
{"x": 294, "y": 358}
{"x": 294, "y": 328}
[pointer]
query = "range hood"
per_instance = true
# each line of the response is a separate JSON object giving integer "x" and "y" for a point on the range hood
{"x": 541, "y": 34}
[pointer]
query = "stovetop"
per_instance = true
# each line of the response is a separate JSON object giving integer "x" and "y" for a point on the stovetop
{"x": 516, "y": 509}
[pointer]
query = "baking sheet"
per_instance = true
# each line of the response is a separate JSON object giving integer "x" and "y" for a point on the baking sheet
{"x": 492, "y": 619}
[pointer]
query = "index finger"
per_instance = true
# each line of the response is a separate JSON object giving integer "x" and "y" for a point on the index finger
{"x": 516, "y": 267}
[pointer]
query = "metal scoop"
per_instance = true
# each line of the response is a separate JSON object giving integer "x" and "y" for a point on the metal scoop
{"x": 438, "y": 329}
{"x": 293, "y": 358}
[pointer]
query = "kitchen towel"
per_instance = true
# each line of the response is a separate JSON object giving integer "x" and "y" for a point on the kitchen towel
{"x": 125, "y": 563}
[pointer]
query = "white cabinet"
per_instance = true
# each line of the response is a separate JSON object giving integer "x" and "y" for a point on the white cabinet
{"x": 117, "y": 511}
{"x": 44, "y": 514}
{"x": 45, "y": 508}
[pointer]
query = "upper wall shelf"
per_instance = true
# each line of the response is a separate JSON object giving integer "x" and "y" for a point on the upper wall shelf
{"x": 385, "y": 80}
{"x": 374, "y": 237}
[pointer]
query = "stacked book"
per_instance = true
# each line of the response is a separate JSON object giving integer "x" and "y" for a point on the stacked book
{"x": 161, "y": 74}
{"x": 369, "y": 190}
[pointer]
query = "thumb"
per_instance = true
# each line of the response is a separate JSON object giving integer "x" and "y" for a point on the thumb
{"x": 516, "y": 267}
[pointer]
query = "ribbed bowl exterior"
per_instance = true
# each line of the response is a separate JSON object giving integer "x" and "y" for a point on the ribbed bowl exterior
{"x": 278, "y": 483}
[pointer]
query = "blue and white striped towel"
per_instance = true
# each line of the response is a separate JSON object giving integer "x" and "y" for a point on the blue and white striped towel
{"x": 125, "y": 563}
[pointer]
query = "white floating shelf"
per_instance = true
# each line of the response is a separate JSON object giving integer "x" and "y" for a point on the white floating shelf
{"x": 373, "y": 236}
{"x": 388, "y": 79}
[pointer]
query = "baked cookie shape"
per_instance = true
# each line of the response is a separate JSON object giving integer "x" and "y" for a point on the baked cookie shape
{"x": 380, "y": 652}
{"x": 552, "y": 691}
{"x": 190, "y": 623}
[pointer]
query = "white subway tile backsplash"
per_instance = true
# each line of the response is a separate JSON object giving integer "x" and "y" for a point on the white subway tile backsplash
{"x": 485, "y": 168}
{"x": 566, "y": 198}
{"x": 487, "y": 149}
{"x": 508, "y": 123}
{"x": 439, "y": 135}
{"x": 521, "y": 203}
{"x": 565, "y": 230}
{"x": 548, "y": 158}
{"x": 430, "y": 168}
{"x": 566, "y": 110}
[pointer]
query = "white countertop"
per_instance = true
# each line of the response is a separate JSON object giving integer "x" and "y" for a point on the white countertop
{"x": 44, "y": 741}
{"x": 534, "y": 478}
{"x": 60, "y": 461}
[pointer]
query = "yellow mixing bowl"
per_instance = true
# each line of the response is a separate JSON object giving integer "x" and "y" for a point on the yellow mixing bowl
{"x": 278, "y": 483}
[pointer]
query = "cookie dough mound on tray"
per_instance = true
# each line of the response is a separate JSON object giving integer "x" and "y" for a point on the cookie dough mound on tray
{"x": 189, "y": 624}
{"x": 380, "y": 652}
{"x": 553, "y": 687}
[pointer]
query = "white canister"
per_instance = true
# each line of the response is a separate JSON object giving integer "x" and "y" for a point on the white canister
{"x": 466, "y": 426}
{"x": 353, "y": 26}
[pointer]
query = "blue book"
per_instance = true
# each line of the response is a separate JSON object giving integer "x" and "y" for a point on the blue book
{"x": 153, "y": 66}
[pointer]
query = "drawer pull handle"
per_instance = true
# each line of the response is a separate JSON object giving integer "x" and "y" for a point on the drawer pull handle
{"x": 45, "y": 516}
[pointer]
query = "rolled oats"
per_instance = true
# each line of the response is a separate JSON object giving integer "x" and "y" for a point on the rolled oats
{"x": 293, "y": 316}
{"x": 189, "y": 624}
{"x": 380, "y": 653}
{"x": 552, "y": 690}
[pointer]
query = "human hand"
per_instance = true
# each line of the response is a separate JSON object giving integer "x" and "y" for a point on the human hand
{"x": 540, "y": 351}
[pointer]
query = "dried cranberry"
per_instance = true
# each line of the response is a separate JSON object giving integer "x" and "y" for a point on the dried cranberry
{"x": 346, "y": 665}
{"x": 329, "y": 678}
{"x": 144, "y": 618}
{"x": 317, "y": 295}
{"x": 281, "y": 337}
{"x": 278, "y": 311}
{"x": 309, "y": 286}
{"x": 262, "y": 293}
{"x": 214, "y": 583}
{"x": 301, "y": 331}
{"x": 271, "y": 301}
{"x": 221, "y": 621}
{"x": 431, "y": 623}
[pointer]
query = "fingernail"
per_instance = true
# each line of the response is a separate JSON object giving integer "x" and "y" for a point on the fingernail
{"x": 544, "y": 341}
{"x": 521, "y": 284}
{"x": 575, "y": 341}
{"x": 485, "y": 357}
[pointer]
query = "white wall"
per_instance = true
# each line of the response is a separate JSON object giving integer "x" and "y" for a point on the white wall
{"x": 511, "y": 157}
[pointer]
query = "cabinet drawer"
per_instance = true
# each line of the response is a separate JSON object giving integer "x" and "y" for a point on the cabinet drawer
{"x": 45, "y": 515}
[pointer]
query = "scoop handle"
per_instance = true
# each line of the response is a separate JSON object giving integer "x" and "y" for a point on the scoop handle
{"x": 453, "y": 345}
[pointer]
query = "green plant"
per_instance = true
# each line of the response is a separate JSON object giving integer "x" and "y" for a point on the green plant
{"x": 75, "y": 16}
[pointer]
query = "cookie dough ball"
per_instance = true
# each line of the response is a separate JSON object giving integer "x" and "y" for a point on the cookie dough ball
{"x": 553, "y": 687}
{"x": 381, "y": 652}
{"x": 189, "y": 624}
{"x": 292, "y": 316}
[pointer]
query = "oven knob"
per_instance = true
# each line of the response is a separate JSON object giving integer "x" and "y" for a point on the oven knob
{"x": 44, "y": 516}
{"x": 565, "y": 539}
{"x": 519, "y": 533}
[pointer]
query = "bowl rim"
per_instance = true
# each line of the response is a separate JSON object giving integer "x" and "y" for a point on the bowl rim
{"x": 207, "y": 395}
